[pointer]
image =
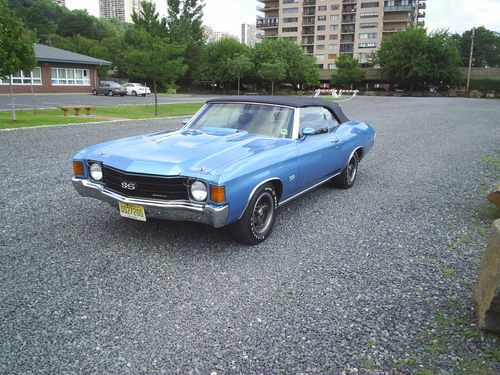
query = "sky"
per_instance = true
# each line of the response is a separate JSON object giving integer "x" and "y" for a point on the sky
{"x": 228, "y": 15}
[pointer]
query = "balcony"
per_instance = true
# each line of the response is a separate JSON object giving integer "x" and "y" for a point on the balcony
{"x": 268, "y": 7}
{"x": 347, "y": 48}
{"x": 421, "y": 15}
{"x": 263, "y": 23}
{"x": 347, "y": 29}
{"x": 309, "y": 12}
{"x": 348, "y": 1}
{"x": 400, "y": 8}
{"x": 309, "y": 21}
{"x": 422, "y": 6}
{"x": 348, "y": 9}
{"x": 309, "y": 3}
{"x": 308, "y": 41}
{"x": 349, "y": 19}
{"x": 347, "y": 38}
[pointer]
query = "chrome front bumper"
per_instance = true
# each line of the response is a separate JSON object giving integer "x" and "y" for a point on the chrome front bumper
{"x": 173, "y": 210}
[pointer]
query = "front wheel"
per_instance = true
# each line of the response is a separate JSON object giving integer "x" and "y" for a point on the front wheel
{"x": 134, "y": 93}
{"x": 111, "y": 93}
{"x": 346, "y": 178}
{"x": 257, "y": 221}
{"x": 94, "y": 92}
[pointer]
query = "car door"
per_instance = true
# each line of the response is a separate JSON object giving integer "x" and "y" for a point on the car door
{"x": 103, "y": 88}
{"x": 319, "y": 154}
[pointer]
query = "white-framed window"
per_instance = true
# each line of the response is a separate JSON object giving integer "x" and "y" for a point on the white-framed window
{"x": 367, "y": 35}
{"x": 332, "y": 47}
{"x": 332, "y": 66}
{"x": 367, "y": 45}
{"x": 25, "y": 78}
{"x": 70, "y": 77}
{"x": 320, "y": 57}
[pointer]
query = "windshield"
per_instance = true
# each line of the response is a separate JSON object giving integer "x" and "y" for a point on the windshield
{"x": 267, "y": 120}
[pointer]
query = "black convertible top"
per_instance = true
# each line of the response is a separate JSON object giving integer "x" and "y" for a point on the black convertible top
{"x": 290, "y": 101}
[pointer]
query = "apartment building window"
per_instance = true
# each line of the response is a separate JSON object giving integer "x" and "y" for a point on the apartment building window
{"x": 333, "y": 27}
{"x": 320, "y": 57}
{"x": 332, "y": 56}
{"x": 367, "y": 35}
{"x": 334, "y": 17}
{"x": 320, "y": 37}
{"x": 70, "y": 77}
{"x": 290, "y": 1}
{"x": 289, "y": 29}
{"x": 290, "y": 19}
{"x": 322, "y": 8}
{"x": 320, "y": 66}
{"x": 373, "y": 4}
{"x": 332, "y": 66}
{"x": 321, "y": 18}
{"x": 321, "y": 27}
{"x": 320, "y": 47}
{"x": 365, "y": 55}
{"x": 332, "y": 47}
{"x": 369, "y": 15}
{"x": 24, "y": 78}
{"x": 290, "y": 10}
{"x": 367, "y": 45}
{"x": 368, "y": 25}
{"x": 333, "y": 37}
{"x": 334, "y": 7}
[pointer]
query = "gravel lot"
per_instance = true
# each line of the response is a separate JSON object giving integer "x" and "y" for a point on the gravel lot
{"x": 362, "y": 281}
{"x": 55, "y": 100}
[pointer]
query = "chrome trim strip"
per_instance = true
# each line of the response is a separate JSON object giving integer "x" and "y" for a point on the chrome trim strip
{"x": 255, "y": 189}
{"x": 308, "y": 189}
{"x": 222, "y": 101}
{"x": 352, "y": 153}
{"x": 215, "y": 216}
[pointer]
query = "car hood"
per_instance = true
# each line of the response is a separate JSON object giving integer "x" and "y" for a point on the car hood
{"x": 181, "y": 152}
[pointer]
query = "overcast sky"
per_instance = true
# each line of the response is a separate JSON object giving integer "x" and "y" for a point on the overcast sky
{"x": 228, "y": 15}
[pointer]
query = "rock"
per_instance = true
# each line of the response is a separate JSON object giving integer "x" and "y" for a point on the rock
{"x": 452, "y": 93}
{"x": 475, "y": 94}
{"x": 487, "y": 290}
{"x": 490, "y": 95}
{"x": 494, "y": 196}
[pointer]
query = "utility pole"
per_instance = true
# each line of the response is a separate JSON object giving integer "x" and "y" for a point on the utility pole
{"x": 470, "y": 61}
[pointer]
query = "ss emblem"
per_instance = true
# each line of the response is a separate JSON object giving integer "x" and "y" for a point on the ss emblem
{"x": 129, "y": 185}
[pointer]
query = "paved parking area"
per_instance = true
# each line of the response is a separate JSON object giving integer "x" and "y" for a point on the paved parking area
{"x": 55, "y": 100}
{"x": 352, "y": 280}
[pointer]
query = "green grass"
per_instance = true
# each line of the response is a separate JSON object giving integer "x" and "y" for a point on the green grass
{"x": 55, "y": 116}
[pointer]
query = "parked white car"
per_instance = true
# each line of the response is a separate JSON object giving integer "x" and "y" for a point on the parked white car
{"x": 137, "y": 89}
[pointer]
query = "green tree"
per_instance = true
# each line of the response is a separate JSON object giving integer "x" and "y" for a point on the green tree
{"x": 411, "y": 57}
{"x": 238, "y": 66}
{"x": 155, "y": 59}
{"x": 149, "y": 19}
{"x": 16, "y": 48}
{"x": 348, "y": 73}
{"x": 272, "y": 71}
{"x": 486, "y": 47}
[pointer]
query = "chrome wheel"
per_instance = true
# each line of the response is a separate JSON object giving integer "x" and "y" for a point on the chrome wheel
{"x": 263, "y": 212}
{"x": 352, "y": 169}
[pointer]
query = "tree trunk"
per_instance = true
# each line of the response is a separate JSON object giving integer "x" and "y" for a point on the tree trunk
{"x": 156, "y": 98}
{"x": 12, "y": 100}
{"x": 272, "y": 87}
{"x": 238, "y": 85}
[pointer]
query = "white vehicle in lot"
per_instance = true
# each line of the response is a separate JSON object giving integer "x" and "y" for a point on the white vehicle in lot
{"x": 135, "y": 89}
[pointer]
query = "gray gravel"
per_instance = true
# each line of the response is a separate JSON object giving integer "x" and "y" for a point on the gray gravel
{"x": 350, "y": 280}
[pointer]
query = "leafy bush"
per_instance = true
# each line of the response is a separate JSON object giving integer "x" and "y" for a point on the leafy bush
{"x": 485, "y": 84}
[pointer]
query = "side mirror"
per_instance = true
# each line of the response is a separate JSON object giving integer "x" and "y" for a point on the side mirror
{"x": 185, "y": 121}
{"x": 307, "y": 132}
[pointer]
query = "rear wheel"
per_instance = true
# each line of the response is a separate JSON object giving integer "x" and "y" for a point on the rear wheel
{"x": 111, "y": 93}
{"x": 257, "y": 221}
{"x": 346, "y": 178}
{"x": 134, "y": 93}
{"x": 94, "y": 92}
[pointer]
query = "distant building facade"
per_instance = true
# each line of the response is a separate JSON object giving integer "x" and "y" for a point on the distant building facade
{"x": 212, "y": 35}
{"x": 56, "y": 71}
{"x": 119, "y": 9}
{"x": 250, "y": 35}
{"x": 328, "y": 28}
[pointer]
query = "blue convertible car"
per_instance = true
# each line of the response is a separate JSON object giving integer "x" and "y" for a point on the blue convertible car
{"x": 234, "y": 163}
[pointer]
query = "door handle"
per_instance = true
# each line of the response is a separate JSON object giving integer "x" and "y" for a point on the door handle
{"x": 334, "y": 140}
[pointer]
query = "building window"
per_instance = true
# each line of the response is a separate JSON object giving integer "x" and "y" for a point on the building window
{"x": 24, "y": 78}
{"x": 369, "y": 15}
{"x": 368, "y": 25}
{"x": 365, "y": 55}
{"x": 290, "y": 1}
{"x": 332, "y": 56}
{"x": 290, "y": 10}
{"x": 334, "y": 7}
{"x": 321, "y": 18}
{"x": 70, "y": 77}
{"x": 320, "y": 37}
{"x": 333, "y": 37}
{"x": 290, "y": 19}
{"x": 367, "y": 35}
{"x": 373, "y": 4}
{"x": 289, "y": 29}
{"x": 320, "y": 57}
{"x": 333, "y": 27}
{"x": 320, "y": 47}
{"x": 321, "y": 27}
{"x": 332, "y": 66}
{"x": 334, "y": 17}
{"x": 367, "y": 45}
{"x": 332, "y": 47}
{"x": 320, "y": 66}
{"x": 322, "y": 8}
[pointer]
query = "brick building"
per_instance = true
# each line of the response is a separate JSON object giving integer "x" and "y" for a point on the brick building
{"x": 57, "y": 71}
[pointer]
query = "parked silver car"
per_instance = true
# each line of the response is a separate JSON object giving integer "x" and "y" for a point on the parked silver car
{"x": 109, "y": 88}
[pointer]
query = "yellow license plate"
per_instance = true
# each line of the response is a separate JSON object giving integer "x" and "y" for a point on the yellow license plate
{"x": 132, "y": 211}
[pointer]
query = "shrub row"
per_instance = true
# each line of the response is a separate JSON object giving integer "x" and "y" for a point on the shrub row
{"x": 486, "y": 84}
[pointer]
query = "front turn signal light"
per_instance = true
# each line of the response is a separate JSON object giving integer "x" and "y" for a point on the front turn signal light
{"x": 217, "y": 194}
{"x": 78, "y": 168}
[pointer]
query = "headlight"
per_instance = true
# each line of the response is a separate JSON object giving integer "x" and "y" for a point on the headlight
{"x": 96, "y": 172}
{"x": 199, "y": 191}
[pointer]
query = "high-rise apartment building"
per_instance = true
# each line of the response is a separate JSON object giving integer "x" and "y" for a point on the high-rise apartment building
{"x": 213, "y": 36}
{"x": 328, "y": 28}
{"x": 120, "y": 9}
{"x": 250, "y": 35}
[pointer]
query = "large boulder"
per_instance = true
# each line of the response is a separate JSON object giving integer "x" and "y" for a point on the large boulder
{"x": 475, "y": 94}
{"x": 487, "y": 291}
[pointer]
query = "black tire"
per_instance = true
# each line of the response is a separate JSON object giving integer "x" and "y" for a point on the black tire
{"x": 94, "y": 92}
{"x": 347, "y": 177}
{"x": 134, "y": 93}
{"x": 257, "y": 221}
{"x": 111, "y": 93}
